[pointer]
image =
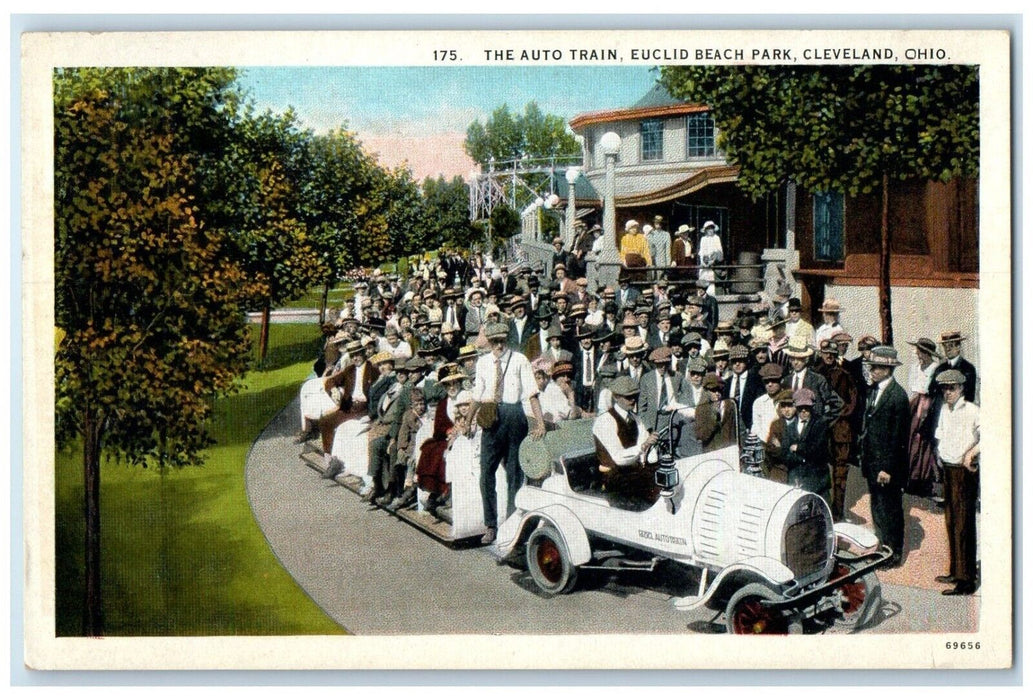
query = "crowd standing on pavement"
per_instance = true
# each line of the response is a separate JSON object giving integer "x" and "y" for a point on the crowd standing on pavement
{"x": 447, "y": 370}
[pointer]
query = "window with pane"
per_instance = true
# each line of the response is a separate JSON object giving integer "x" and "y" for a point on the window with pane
{"x": 828, "y": 226}
{"x": 699, "y": 136}
{"x": 652, "y": 131}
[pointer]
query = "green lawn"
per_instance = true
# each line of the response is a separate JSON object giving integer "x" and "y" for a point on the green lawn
{"x": 186, "y": 557}
{"x": 314, "y": 297}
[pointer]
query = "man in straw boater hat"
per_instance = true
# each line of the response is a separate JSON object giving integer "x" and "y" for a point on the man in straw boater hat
{"x": 957, "y": 436}
{"x": 634, "y": 351}
{"x": 622, "y": 445}
{"x": 951, "y": 341}
{"x": 800, "y": 376}
{"x": 504, "y": 380}
{"x": 883, "y": 450}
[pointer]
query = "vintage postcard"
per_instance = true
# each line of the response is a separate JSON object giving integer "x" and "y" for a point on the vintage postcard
{"x": 509, "y": 349}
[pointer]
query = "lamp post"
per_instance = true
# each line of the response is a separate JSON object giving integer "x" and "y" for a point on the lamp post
{"x": 572, "y": 175}
{"x": 611, "y": 146}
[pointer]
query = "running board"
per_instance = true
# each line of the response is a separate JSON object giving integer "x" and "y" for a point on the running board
{"x": 438, "y": 528}
{"x": 621, "y": 564}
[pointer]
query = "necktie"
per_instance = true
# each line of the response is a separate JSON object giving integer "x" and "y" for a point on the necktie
{"x": 796, "y": 382}
{"x": 498, "y": 380}
{"x": 735, "y": 388}
{"x": 589, "y": 368}
{"x": 663, "y": 393}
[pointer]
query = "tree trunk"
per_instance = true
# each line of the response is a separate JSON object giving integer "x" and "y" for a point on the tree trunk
{"x": 885, "y": 307}
{"x": 92, "y": 618}
{"x": 322, "y": 307}
{"x": 263, "y": 338}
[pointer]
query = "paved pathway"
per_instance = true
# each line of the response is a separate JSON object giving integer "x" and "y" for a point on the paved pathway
{"x": 375, "y": 574}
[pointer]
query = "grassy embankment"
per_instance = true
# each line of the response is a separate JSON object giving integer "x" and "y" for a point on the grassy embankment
{"x": 185, "y": 557}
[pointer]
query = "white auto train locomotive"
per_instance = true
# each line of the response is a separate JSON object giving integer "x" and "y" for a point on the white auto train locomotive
{"x": 768, "y": 555}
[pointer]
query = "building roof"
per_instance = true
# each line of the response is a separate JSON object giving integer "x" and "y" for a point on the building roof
{"x": 655, "y": 103}
{"x": 657, "y": 97}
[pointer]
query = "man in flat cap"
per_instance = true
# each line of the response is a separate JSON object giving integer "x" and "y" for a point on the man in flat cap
{"x": 622, "y": 444}
{"x": 883, "y": 450}
{"x": 659, "y": 388}
{"x": 716, "y": 418}
{"x": 957, "y": 446}
{"x": 742, "y": 387}
{"x": 504, "y": 380}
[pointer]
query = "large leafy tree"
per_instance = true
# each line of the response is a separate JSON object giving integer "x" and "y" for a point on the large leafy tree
{"x": 149, "y": 300}
{"x": 849, "y": 129}
{"x": 336, "y": 193}
{"x": 447, "y": 212}
{"x": 507, "y": 136}
{"x": 269, "y": 161}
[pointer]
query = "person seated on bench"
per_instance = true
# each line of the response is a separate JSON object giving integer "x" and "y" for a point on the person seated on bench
{"x": 622, "y": 444}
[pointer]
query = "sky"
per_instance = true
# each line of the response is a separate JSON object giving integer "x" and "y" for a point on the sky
{"x": 419, "y": 115}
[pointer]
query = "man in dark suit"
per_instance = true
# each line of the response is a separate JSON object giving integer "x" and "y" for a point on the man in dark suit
{"x": 716, "y": 417}
{"x": 538, "y": 341}
{"x": 951, "y": 343}
{"x": 804, "y": 448}
{"x": 659, "y": 388}
{"x": 504, "y": 285}
{"x": 627, "y": 296}
{"x": 883, "y": 450}
{"x": 827, "y": 404}
{"x": 586, "y": 368}
{"x": 521, "y": 327}
{"x": 742, "y": 386}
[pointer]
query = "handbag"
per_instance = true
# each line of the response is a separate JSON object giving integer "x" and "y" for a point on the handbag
{"x": 488, "y": 415}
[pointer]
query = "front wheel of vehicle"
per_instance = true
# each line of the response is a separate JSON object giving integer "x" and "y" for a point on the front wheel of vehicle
{"x": 549, "y": 561}
{"x": 857, "y": 600}
{"x": 746, "y": 613}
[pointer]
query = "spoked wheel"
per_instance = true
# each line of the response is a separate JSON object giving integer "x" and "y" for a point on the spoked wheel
{"x": 745, "y": 613}
{"x": 549, "y": 562}
{"x": 857, "y": 599}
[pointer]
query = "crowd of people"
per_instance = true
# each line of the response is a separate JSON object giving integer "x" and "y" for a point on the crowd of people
{"x": 446, "y": 372}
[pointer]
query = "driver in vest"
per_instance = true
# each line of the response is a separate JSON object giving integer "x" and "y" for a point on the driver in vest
{"x": 622, "y": 444}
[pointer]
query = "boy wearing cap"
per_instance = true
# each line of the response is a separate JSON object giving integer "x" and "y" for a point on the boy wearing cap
{"x": 805, "y": 448}
{"x": 883, "y": 450}
{"x": 957, "y": 445}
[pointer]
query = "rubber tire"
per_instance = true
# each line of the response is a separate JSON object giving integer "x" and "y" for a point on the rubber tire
{"x": 549, "y": 561}
{"x": 864, "y": 592}
{"x": 743, "y": 616}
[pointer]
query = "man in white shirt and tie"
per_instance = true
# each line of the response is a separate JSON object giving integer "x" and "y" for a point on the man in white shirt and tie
{"x": 504, "y": 378}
